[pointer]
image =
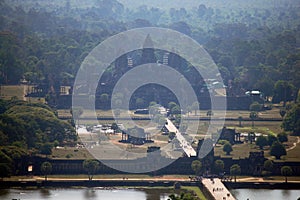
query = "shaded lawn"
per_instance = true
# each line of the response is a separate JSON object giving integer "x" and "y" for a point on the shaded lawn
{"x": 71, "y": 153}
{"x": 293, "y": 154}
{"x": 9, "y": 91}
{"x": 196, "y": 190}
{"x": 239, "y": 150}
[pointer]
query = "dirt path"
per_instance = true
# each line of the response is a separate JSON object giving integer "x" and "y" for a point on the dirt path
{"x": 123, "y": 177}
{"x": 115, "y": 179}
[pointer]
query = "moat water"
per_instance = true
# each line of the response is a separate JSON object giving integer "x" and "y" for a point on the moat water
{"x": 85, "y": 194}
{"x": 265, "y": 194}
{"x": 133, "y": 194}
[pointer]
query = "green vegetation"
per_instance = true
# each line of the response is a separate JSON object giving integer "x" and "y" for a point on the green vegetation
{"x": 33, "y": 126}
{"x": 182, "y": 196}
{"x": 293, "y": 154}
{"x": 253, "y": 115}
{"x": 282, "y": 137}
{"x": 291, "y": 120}
{"x": 283, "y": 91}
{"x": 268, "y": 166}
{"x": 11, "y": 156}
{"x": 219, "y": 166}
{"x": 5, "y": 165}
{"x": 261, "y": 141}
{"x": 271, "y": 139}
{"x": 258, "y": 52}
{"x": 196, "y": 166}
{"x": 277, "y": 150}
{"x": 90, "y": 166}
{"x": 196, "y": 190}
{"x": 240, "y": 118}
{"x": 29, "y": 128}
{"x": 255, "y": 106}
{"x": 286, "y": 171}
{"x": 235, "y": 170}
{"x": 255, "y": 48}
{"x": 227, "y": 148}
{"x": 46, "y": 169}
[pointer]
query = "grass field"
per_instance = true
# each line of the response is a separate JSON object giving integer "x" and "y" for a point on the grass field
{"x": 239, "y": 151}
{"x": 243, "y": 150}
{"x": 293, "y": 155}
{"x": 71, "y": 153}
{"x": 264, "y": 127}
{"x": 196, "y": 190}
{"x": 8, "y": 92}
{"x": 233, "y": 114}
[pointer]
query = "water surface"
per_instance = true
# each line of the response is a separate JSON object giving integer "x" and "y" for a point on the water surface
{"x": 85, "y": 194}
{"x": 265, "y": 194}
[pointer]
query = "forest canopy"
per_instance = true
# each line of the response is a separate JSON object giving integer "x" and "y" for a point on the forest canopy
{"x": 254, "y": 43}
{"x": 30, "y": 126}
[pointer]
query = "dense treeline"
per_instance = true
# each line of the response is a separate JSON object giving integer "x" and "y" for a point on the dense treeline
{"x": 27, "y": 129}
{"x": 255, "y": 47}
{"x": 32, "y": 126}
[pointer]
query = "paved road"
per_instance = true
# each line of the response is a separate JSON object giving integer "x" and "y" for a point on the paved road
{"x": 217, "y": 189}
{"x": 186, "y": 146}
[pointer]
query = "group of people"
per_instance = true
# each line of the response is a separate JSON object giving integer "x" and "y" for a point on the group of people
{"x": 195, "y": 178}
{"x": 218, "y": 189}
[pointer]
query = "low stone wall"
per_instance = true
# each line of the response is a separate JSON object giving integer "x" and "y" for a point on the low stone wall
{"x": 95, "y": 183}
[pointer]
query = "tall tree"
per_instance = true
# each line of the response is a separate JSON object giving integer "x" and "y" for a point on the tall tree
{"x": 261, "y": 141}
{"x": 90, "y": 166}
{"x": 291, "y": 121}
{"x": 240, "y": 118}
{"x": 46, "y": 169}
{"x": 5, "y": 170}
{"x": 196, "y": 166}
{"x": 255, "y": 106}
{"x": 253, "y": 115}
{"x": 227, "y": 148}
{"x": 195, "y": 106}
{"x": 286, "y": 171}
{"x": 266, "y": 86}
{"x": 219, "y": 166}
{"x": 235, "y": 170}
{"x": 283, "y": 91}
{"x": 282, "y": 112}
{"x": 268, "y": 165}
{"x": 271, "y": 139}
{"x": 282, "y": 137}
{"x": 46, "y": 149}
{"x": 104, "y": 98}
{"x": 277, "y": 150}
